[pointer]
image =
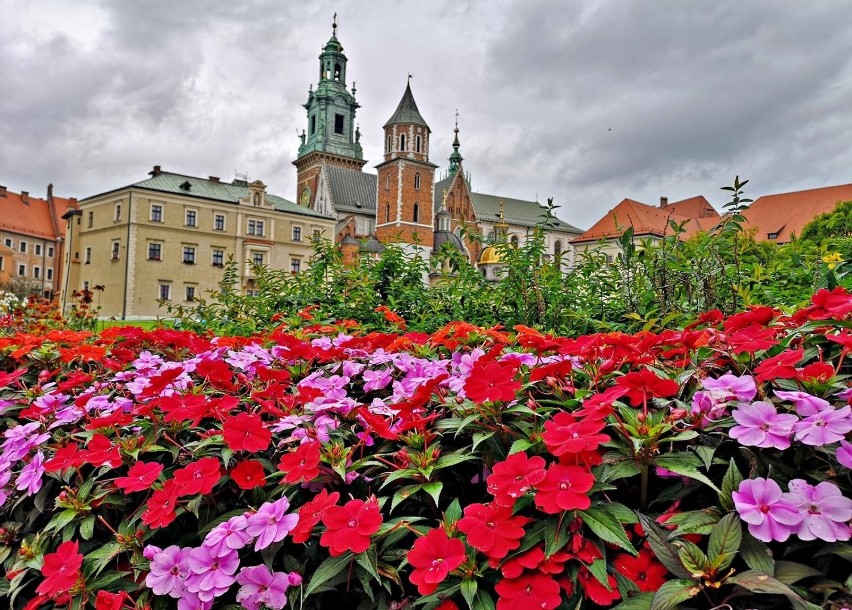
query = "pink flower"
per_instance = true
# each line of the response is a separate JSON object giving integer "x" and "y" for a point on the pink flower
{"x": 824, "y": 510}
{"x": 228, "y": 536}
{"x": 270, "y": 523}
{"x": 760, "y": 425}
{"x": 262, "y": 587}
{"x": 825, "y": 427}
{"x": 806, "y": 404}
{"x": 844, "y": 454}
{"x": 30, "y": 477}
{"x": 732, "y": 387}
{"x": 760, "y": 504}
{"x": 210, "y": 575}
{"x": 169, "y": 569}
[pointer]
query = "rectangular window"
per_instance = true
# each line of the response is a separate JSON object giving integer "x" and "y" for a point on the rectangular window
{"x": 313, "y": 124}
{"x": 219, "y": 258}
{"x": 189, "y": 255}
{"x": 190, "y": 293}
{"x": 115, "y": 246}
{"x": 37, "y": 272}
{"x": 297, "y": 233}
{"x": 295, "y": 265}
{"x": 156, "y": 213}
{"x": 255, "y": 227}
{"x": 154, "y": 251}
{"x": 91, "y": 219}
{"x": 38, "y": 249}
{"x": 22, "y": 247}
{"x": 22, "y": 269}
{"x": 8, "y": 243}
{"x": 191, "y": 217}
{"x": 219, "y": 222}
{"x": 85, "y": 285}
{"x": 50, "y": 252}
{"x": 338, "y": 124}
{"x": 317, "y": 234}
{"x": 772, "y": 235}
{"x": 2, "y": 263}
{"x": 88, "y": 255}
{"x": 50, "y": 273}
{"x": 257, "y": 258}
{"x": 117, "y": 216}
{"x": 165, "y": 292}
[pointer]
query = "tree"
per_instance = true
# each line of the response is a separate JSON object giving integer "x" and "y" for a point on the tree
{"x": 837, "y": 223}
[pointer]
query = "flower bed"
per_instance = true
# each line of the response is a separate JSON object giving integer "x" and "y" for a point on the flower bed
{"x": 323, "y": 468}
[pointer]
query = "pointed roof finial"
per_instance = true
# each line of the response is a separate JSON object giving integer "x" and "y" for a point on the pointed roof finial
{"x": 408, "y": 82}
{"x": 457, "y": 120}
{"x": 334, "y": 25}
{"x": 501, "y": 208}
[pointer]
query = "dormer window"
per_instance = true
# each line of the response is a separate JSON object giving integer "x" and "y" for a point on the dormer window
{"x": 772, "y": 236}
{"x": 186, "y": 185}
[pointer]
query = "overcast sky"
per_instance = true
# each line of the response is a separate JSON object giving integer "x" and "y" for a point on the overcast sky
{"x": 585, "y": 102}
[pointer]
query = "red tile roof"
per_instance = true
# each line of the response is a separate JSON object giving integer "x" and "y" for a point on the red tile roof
{"x": 28, "y": 215}
{"x": 649, "y": 220}
{"x": 786, "y": 214}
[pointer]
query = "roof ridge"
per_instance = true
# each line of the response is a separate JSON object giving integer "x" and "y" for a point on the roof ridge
{"x": 816, "y": 188}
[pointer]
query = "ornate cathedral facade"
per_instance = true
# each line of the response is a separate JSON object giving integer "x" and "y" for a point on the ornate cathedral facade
{"x": 404, "y": 201}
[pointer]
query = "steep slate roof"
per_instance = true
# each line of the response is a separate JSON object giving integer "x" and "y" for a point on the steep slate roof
{"x": 515, "y": 211}
{"x": 646, "y": 220}
{"x": 788, "y": 213}
{"x": 407, "y": 111}
{"x": 27, "y": 217}
{"x": 204, "y": 188}
{"x": 351, "y": 190}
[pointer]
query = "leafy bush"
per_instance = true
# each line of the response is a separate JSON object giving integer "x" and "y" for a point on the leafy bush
{"x": 333, "y": 468}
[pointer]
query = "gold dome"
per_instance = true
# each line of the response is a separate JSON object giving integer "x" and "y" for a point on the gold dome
{"x": 490, "y": 256}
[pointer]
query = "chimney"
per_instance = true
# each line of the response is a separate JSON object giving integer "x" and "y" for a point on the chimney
{"x": 155, "y": 171}
{"x": 50, "y": 191}
{"x": 214, "y": 179}
{"x": 25, "y": 197}
{"x": 664, "y": 201}
{"x": 2, "y": 191}
{"x": 73, "y": 201}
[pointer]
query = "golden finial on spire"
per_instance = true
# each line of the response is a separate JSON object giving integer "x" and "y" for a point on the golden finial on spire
{"x": 501, "y": 208}
{"x": 444, "y": 200}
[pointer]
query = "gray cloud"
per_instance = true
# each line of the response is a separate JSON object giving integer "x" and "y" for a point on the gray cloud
{"x": 97, "y": 92}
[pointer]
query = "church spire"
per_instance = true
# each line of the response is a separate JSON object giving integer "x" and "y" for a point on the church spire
{"x": 455, "y": 157}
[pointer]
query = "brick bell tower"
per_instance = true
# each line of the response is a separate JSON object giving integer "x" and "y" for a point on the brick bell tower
{"x": 406, "y": 178}
{"x": 331, "y": 136}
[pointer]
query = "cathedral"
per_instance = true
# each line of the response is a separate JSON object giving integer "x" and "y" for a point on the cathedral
{"x": 404, "y": 201}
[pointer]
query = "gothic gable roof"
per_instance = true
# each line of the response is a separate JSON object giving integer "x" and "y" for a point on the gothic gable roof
{"x": 407, "y": 111}
{"x": 351, "y": 190}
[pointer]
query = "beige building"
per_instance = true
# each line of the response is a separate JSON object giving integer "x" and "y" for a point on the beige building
{"x": 167, "y": 239}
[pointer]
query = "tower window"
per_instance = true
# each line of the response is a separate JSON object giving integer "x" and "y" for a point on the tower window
{"x": 417, "y": 181}
{"x": 387, "y": 212}
{"x": 387, "y": 182}
{"x": 402, "y": 141}
{"x": 338, "y": 124}
{"x": 313, "y": 124}
{"x": 337, "y": 72}
{"x": 417, "y": 144}
{"x": 417, "y": 212}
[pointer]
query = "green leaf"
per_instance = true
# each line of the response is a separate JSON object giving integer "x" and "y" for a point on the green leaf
{"x": 757, "y": 554}
{"x": 684, "y": 464}
{"x": 453, "y": 512}
{"x": 725, "y": 541}
{"x": 706, "y": 455}
{"x": 61, "y": 520}
{"x": 694, "y": 522}
{"x": 692, "y": 558}
{"x": 87, "y": 527}
{"x": 672, "y": 593}
{"x": 100, "y": 557}
{"x": 664, "y": 551}
{"x": 620, "y": 470}
{"x": 730, "y": 483}
{"x": 479, "y": 437}
{"x": 555, "y": 536}
{"x": 790, "y": 572}
{"x": 367, "y": 560}
{"x": 482, "y": 601}
{"x": 403, "y": 494}
{"x": 433, "y": 489}
{"x": 327, "y": 570}
{"x": 452, "y": 459}
{"x": 640, "y": 601}
{"x": 607, "y": 527}
{"x": 598, "y": 569}
{"x": 468, "y": 590}
{"x": 758, "y": 582}
{"x": 519, "y": 445}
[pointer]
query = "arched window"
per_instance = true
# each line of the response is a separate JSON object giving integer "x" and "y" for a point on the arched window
{"x": 387, "y": 182}
{"x": 417, "y": 144}
{"x": 387, "y": 212}
{"x": 417, "y": 211}
{"x": 557, "y": 249}
{"x": 402, "y": 141}
{"x": 417, "y": 181}
{"x": 337, "y": 72}
{"x": 514, "y": 241}
{"x": 390, "y": 143}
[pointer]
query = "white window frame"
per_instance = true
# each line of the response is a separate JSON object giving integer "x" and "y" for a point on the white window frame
{"x": 22, "y": 247}
{"x": 87, "y": 255}
{"x": 49, "y": 274}
{"x": 297, "y": 233}
{"x": 160, "y": 208}
{"x": 168, "y": 291}
{"x": 297, "y": 262}
{"x": 224, "y": 217}
{"x": 189, "y": 256}
{"x": 37, "y": 249}
{"x": 186, "y": 213}
{"x": 36, "y": 272}
{"x": 116, "y": 215}
{"x": 115, "y": 249}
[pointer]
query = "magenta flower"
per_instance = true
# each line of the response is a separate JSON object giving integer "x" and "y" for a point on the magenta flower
{"x": 806, "y": 404}
{"x": 761, "y": 505}
{"x": 735, "y": 388}
{"x": 760, "y": 425}
{"x": 825, "y": 512}
{"x": 262, "y": 587}
{"x": 169, "y": 569}
{"x": 210, "y": 575}
{"x": 228, "y": 536}
{"x": 30, "y": 477}
{"x": 844, "y": 454}
{"x": 270, "y": 523}
{"x": 826, "y": 427}
{"x": 191, "y": 601}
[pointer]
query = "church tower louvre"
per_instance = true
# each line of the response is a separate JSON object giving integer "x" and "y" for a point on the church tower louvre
{"x": 405, "y": 184}
{"x": 332, "y": 136}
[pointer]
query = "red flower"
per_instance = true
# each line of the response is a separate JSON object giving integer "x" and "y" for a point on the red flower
{"x": 492, "y": 530}
{"x": 349, "y": 527}
{"x": 140, "y": 477}
{"x": 217, "y": 373}
{"x": 515, "y": 476}
{"x": 65, "y": 457}
{"x": 161, "y": 505}
{"x": 643, "y": 570}
{"x": 782, "y": 366}
{"x": 448, "y": 604}
{"x": 246, "y": 432}
{"x": 310, "y": 514}
{"x": 248, "y": 474}
{"x": 644, "y": 384}
{"x": 491, "y": 381}
{"x": 751, "y": 339}
{"x": 391, "y": 316}
{"x": 595, "y": 591}
{"x": 302, "y": 464}
{"x": 101, "y": 451}
{"x": 112, "y": 601}
{"x": 532, "y": 590}
{"x": 820, "y": 372}
{"x": 836, "y": 303}
{"x": 564, "y": 488}
{"x": 564, "y": 434}
{"x": 61, "y": 569}
{"x": 198, "y": 477}
{"x": 433, "y": 557}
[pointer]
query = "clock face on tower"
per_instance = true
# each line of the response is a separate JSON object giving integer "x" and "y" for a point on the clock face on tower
{"x": 305, "y": 198}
